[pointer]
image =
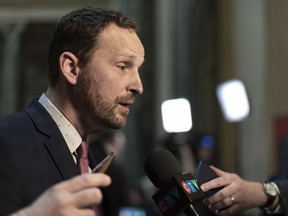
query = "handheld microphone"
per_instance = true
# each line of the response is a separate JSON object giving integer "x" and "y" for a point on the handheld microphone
{"x": 178, "y": 193}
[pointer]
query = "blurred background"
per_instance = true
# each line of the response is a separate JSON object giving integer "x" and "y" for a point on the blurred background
{"x": 191, "y": 47}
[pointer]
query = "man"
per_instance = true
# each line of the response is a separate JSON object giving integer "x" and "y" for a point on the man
{"x": 239, "y": 195}
{"x": 93, "y": 78}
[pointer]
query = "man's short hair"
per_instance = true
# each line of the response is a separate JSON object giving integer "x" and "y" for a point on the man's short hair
{"x": 78, "y": 32}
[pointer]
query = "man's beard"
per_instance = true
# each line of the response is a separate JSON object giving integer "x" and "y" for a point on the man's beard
{"x": 97, "y": 109}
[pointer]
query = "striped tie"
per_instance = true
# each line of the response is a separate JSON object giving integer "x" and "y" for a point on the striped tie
{"x": 83, "y": 164}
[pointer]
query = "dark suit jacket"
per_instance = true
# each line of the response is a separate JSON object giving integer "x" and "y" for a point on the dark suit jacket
{"x": 33, "y": 157}
{"x": 283, "y": 187}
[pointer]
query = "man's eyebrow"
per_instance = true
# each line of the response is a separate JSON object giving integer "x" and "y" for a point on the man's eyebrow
{"x": 131, "y": 56}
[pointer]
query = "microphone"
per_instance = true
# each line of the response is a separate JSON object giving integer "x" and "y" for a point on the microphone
{"x": 178, "y": 192}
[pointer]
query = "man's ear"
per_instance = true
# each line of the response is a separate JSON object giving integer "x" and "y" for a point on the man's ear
{"x": 69, "y": 67}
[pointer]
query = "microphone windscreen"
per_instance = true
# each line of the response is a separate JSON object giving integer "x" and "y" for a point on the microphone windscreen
{"x": 161, "y": 166}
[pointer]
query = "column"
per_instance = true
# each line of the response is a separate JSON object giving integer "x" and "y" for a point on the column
{"x": 8, "y": 82}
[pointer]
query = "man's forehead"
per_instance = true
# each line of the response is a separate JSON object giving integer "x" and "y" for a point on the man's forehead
{"x": 123, "y": 42}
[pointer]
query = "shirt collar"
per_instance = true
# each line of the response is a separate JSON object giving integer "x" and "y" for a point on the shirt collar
{"x": 68, "y": 131}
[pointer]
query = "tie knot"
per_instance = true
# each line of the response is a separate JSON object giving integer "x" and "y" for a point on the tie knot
{"x": 82, "y": 150}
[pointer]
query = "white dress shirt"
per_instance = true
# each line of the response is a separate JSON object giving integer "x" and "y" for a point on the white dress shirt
{"x": 68, "y": 131}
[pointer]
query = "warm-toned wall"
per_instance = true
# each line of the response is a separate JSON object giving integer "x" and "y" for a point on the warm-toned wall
{"x": 275, "y": 66}
{"x": 277, "y": 90}
{"x": 225, "y": 71}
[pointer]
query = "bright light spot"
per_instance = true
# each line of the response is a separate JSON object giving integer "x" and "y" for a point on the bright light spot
{"x": 233, "y": 100}
{"x": 176, "y": 115}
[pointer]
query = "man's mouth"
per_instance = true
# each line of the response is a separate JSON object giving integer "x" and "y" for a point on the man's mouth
{"x": 125, "y": 106}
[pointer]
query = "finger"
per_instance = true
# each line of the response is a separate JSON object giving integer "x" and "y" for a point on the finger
{"x": 223, "y": 204}
{"x": 218, "y": 171}
{"x": 214, "y": 183}
{"x": 88, "y": 197}
{"x": 85, "y": 181}
{"x": 226, "y": 192}
{"x": 223, "y": 180}
{"x": 232, "y": 210}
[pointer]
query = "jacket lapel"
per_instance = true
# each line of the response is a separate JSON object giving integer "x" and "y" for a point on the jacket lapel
{"x": 55, "y": 143}
{"x": 62, "y": 157}
{"x": 58, "y": 148}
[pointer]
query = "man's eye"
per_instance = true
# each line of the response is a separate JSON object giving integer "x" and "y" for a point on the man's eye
{"x": 122, "y": 66}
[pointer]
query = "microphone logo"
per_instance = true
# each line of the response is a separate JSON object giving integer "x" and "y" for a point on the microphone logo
{"x": 177, "y": 194}
{"x": 162, "y": 206}
{"x": 186, "y": 187}
{"x": 190, "y": 186}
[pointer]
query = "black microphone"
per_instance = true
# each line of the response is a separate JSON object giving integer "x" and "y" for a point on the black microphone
{"x": 178, "y": 192}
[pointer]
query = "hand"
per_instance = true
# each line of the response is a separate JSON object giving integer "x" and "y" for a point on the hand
{"x": 237, "y": 195}
{"x": 72, "y": 197}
